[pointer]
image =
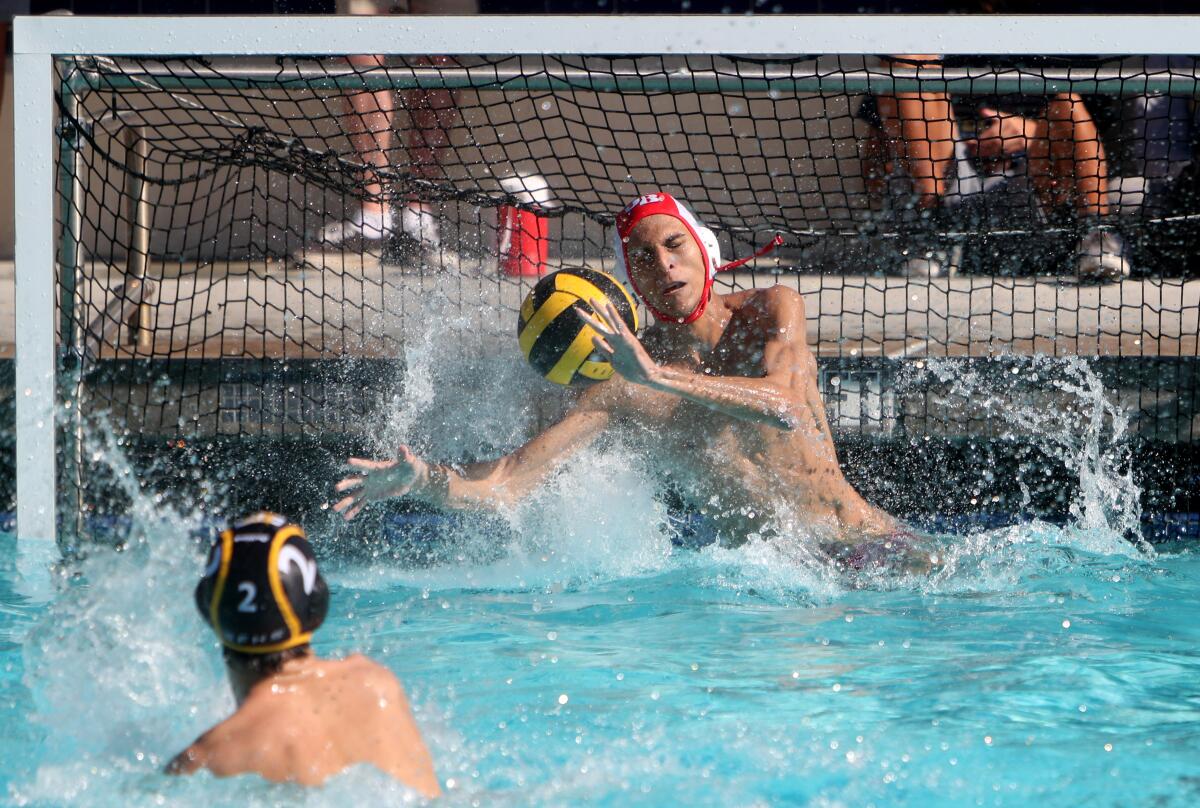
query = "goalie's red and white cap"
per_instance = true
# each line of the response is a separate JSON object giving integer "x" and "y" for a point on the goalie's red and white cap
{"x": 667, "y": 205}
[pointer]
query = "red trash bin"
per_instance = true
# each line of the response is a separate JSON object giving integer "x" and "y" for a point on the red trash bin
{"x": 522, "y": 235}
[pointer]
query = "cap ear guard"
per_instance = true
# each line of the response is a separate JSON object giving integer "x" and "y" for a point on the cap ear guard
{"x": 318, "y": 606}
{"x": 204, "y": 589}
{"x": 712, "y": 248}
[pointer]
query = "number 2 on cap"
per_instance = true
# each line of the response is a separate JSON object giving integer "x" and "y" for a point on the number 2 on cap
{"x": 249, "y": 590}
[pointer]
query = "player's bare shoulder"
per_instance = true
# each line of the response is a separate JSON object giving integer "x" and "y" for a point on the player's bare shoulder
{"x": 221, "y": 750}
{"x": 782, "y": 303}
{"x": 372, "y": 676}
{"x": 776, "y": 310}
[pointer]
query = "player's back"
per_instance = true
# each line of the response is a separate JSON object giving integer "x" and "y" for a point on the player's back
{"x": 314, "y": 720}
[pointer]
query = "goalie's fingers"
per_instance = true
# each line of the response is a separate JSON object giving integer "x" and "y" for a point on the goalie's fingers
{"x": 370, "y": 465}
{"x": 349, "y": 483}
{"x": 603, "y": 309}
{"x": 603, "y": 347}
{"x": 615, "y": 316}
{"x": 594, "y": 322}
{"x": 342, "y": 504}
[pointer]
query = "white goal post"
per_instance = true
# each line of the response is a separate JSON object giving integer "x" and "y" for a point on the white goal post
{"x": 39, "y": 40}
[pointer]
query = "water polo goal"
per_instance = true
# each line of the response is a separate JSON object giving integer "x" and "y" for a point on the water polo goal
{"x": 171, "y": 174}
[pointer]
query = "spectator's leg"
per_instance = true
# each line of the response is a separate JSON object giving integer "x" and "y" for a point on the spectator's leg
{"x": 433, "y": 113}
{"x": 877, "y": 165}
{"x": 367, "y": 121}
{"x": 1067, "y": 164}
{"x": 369, "y": 125}
{"x": 1068, "y": 169}
{"x": 919, "y": 127}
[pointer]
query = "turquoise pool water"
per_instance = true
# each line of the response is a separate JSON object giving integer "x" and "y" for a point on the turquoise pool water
{"x": 1045, "y": 666}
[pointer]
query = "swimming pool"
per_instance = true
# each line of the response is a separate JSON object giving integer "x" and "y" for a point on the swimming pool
{"x": 554, "y": 659}
{"x": 1057, "y": 665}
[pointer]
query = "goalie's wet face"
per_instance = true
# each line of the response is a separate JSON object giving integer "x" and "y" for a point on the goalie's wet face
{"x": 666, "y": 264}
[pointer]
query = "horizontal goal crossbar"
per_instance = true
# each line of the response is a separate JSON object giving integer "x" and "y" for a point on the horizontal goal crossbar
{"x": 119, "y": 74}
{"x": 610, "y": 34}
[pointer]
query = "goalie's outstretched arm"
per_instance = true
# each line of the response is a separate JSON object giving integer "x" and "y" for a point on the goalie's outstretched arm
{"x": 477, "y": 486}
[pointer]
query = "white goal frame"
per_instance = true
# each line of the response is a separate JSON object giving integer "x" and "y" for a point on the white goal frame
{"x": 38, "y": 40}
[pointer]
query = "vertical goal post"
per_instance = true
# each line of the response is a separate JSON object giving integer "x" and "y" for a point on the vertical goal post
{"x": 38, "y": 41}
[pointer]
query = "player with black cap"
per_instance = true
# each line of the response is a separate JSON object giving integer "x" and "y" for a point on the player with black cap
{"x": 299, "y": 718}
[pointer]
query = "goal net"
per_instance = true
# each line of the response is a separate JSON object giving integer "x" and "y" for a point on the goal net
{"x": 261, "y": 260}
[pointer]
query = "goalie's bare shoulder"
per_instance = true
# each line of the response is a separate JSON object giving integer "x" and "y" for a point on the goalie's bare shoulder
{"x": 780, "y": 304}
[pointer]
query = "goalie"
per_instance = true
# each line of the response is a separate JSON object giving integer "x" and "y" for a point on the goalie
{"x": 723, "y": 390}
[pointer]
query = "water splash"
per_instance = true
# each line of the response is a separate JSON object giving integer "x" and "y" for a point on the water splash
{"x": 594, "y": 519}
{"x": 464, "y": 393}
{"x": 1061, "y": 405}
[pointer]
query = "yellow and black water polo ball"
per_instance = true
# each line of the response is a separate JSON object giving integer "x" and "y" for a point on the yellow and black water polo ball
{"x": 555, "y": 341}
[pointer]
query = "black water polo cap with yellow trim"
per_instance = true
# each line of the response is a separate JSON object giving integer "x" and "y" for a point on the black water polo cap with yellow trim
{"x": 261, "y": 591}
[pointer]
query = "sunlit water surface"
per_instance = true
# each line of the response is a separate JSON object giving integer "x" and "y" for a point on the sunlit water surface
{"x": 1045, "y": 664}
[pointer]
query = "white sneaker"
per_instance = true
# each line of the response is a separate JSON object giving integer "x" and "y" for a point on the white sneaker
{"x": 1100, "y": 256}
{"x": 420, "y": 224}
{"x": 932, "y": 264}
{"x": 372, "y": 226}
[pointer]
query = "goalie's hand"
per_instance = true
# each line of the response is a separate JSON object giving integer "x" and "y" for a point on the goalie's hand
{"x": 377, "y": 480}
{"x": 616, "y": 343}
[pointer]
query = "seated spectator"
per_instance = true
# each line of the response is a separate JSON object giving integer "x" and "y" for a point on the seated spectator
{"x": 1158, "y": 133}
{"x": 1032, "y": 161}
{"x": 369, "y": 122}
{"x": 299, "y": 718}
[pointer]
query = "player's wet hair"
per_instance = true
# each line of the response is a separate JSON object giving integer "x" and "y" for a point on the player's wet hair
{"x": 261, "y": 591}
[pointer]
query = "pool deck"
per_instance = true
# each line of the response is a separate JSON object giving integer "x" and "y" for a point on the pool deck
{"x": 248, "y": 309}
